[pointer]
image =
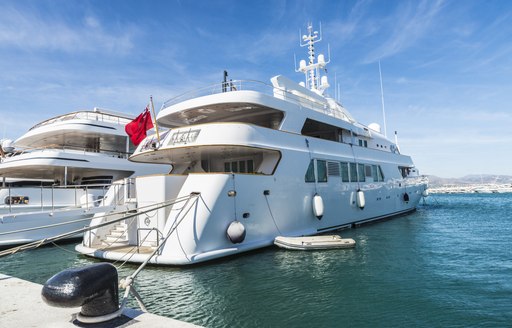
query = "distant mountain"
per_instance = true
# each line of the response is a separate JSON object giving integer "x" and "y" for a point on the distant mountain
{"x": 470, "y": 179}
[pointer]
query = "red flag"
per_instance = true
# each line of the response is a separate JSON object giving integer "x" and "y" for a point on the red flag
{"x": 137, "y": 128}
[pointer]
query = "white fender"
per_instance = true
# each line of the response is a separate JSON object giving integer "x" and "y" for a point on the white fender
{"x": 425, "y": 193}
{"x": 318, "y": 206}
{"x": 236, "y": 232}
{"x": 360, "y": 199}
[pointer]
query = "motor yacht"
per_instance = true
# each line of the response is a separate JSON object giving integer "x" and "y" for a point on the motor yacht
{"x": 253, "y": 161}
{"x": 60, "y": 171}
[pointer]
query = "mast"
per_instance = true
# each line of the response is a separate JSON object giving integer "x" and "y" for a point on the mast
{"x": 382, "y": 98}
{"x": 312, "y": 70}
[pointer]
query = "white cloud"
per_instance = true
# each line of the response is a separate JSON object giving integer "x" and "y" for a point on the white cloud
{"x": 29, "y": 31}
{"x": 410, "y": 24}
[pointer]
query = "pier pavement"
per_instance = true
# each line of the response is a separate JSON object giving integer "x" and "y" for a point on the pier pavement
{"x": 22, "y": 306}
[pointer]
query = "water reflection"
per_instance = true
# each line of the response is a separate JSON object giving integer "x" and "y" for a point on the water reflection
{"x": 448, "y": 264}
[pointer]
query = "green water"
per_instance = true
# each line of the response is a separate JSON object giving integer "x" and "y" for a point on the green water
{"x": 447, "y": 265}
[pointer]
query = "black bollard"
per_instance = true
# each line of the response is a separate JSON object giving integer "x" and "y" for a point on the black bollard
{"x": 94, "y": 288}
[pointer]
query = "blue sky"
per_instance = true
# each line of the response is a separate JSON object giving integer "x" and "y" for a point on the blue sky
{"x": 446, "y": 65}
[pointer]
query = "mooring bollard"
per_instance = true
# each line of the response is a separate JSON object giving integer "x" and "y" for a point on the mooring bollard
{"x": 94, "y": 288}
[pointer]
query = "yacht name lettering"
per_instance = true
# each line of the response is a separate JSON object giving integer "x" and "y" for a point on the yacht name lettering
{"x": 185, "y": 136}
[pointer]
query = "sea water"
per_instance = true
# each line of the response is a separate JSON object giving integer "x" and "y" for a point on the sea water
{"x": 449, "y": 264}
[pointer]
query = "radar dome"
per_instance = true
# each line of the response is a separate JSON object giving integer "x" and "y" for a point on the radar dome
{"x": 7, "y": 145}
{"x": 321, "y": 59}
{"x": 375, "y": 127}
{"x": 302, "y": 65}
{"x": 324, "y": 82}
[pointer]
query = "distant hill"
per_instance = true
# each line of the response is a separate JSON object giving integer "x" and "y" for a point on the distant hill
{"x": 470, "y": 179}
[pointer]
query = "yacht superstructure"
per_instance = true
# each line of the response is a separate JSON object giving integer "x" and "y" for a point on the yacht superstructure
{"x": 66, "y": 162}
{"x": 251, "y": 162}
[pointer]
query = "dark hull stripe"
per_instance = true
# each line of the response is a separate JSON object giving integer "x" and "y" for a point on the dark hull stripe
{"x": 382, "y": 217}
{"x": 58, "y": 158}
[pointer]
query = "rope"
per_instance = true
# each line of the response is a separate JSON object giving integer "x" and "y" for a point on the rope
{"x": 44, "y": 241}
{"x": 63, "y": 249}
{"x": 314, "y": 166}
{"x": 51, "y": 225}
{"x": 128, "y": 282}
{"x": 272, "y": 216}
{"x": 355, "y": 159}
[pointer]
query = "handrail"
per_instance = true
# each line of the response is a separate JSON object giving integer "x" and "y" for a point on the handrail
{"x": 52, "y": 190}
{"x": 249, "y": 85}
{"x": 69, "y": 186}
{"x": 102, "y": 207}
{"x": 158, "y": 234}
{"x": 88, "y": 115}
{"x": 127, "y": 214}
{"x": 64, "y": 148}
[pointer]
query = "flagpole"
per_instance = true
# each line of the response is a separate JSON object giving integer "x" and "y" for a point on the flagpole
{"x": 156, "y": 125}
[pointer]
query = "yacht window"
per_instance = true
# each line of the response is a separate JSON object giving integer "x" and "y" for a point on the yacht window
{"x": 131, "y": 146}
{"x": 405, "y": 171}
{"x": 368, "y": 171}
{"x": 242, "y": 166}
{"x": 321, "y": 170}
{"x": 360, "y": 172}
{"x": 310, "y": 173}
{"x": 333, "y": 169}
{"x": 97, "y": 180}
{"x": 380, "y": 174}
{"x": 353, "y": 172}
{"x": 375, "y": 174}
{"x": 16, "y": 200}
{"x": 321, "y": 130}
{"x": 344, "y": 172}
{"x": 205, "y": 165}
{"x": 30, "y": 183}
{"x": 92, "y": 144}
{"x": 222, "y": 159}
{"x": 234, "y": 167}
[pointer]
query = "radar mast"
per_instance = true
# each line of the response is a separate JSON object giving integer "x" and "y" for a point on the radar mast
{"x": 312, "y": 70}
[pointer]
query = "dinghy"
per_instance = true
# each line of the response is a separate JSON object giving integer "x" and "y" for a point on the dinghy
{"x": 314, "y": 242}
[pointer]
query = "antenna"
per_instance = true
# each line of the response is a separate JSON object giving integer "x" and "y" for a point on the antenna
{"x": 396, "y": 142}
{"x": 311, "y": 69}
{"x": 382, "y": 98}
{"x": 336, "y": 86}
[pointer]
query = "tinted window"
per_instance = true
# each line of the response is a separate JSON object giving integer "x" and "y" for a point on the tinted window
{"x": 321, "y": 171}
{"x": 310, "y": 173}
{"x": 360, "y": 172}
{"x": 344, "y": 172}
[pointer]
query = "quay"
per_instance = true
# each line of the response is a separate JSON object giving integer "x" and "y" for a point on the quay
{"x": 22, "y": 306}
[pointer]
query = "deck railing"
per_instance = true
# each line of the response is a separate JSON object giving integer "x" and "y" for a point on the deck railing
{"x": 87, "y": 115}
{"x": 16, "y": 196}
{"x": 67, "y": 148}
{"x": 251, "y": 85}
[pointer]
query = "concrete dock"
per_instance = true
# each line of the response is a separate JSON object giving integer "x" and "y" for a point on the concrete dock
{"x": 22, "y": 306}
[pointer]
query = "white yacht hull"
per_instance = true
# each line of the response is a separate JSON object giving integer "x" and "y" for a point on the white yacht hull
{"x": 267, "y": 206}
{"x": 26, "y": 227}
{"x": 48, "y": 213}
